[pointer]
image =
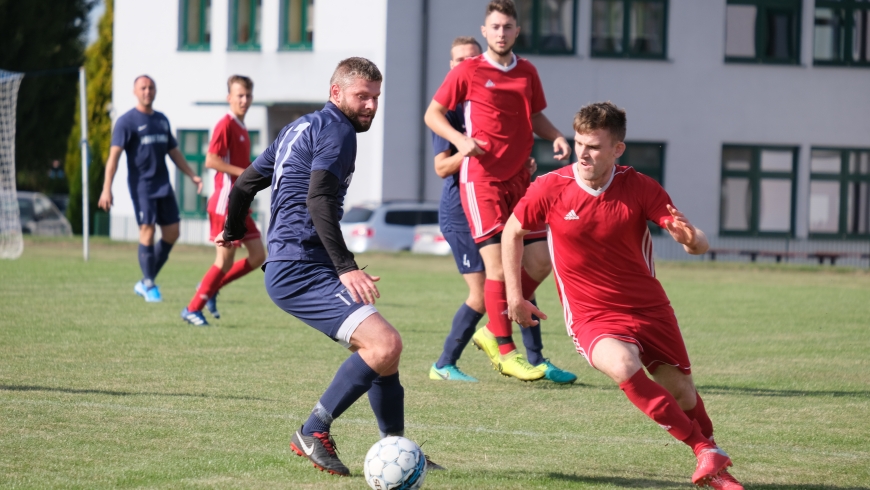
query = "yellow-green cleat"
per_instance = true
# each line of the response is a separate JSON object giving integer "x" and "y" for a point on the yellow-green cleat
{"x": 515, "y": 365}
{"x": 484, "y": 340}
{"x": 555, "y": 374}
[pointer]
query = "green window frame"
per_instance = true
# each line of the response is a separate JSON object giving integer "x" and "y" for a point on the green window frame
{"x": 629, "y": 29}
{"x": 758, "y": 190}
{"x": 841, "y": 35}
{"x": 763, "y": 31}
{"x": 254, "y": 138}
{"x": 839, "y": 199}
{"x": 546, "y": 26}
{"x": 297, "y": 25}
{"x": 194, "y": 26}
{"x": 193, "y": 144}
{"x": 245, "y": 21}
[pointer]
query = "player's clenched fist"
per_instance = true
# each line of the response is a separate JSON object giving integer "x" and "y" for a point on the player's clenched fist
{"x": 361, "y": 286}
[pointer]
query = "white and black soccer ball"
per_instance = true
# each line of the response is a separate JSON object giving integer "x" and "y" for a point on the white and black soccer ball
{"x": 395, "y": 463}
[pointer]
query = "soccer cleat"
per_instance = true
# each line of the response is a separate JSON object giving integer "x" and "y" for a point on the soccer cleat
{"x": 139, "y": 289}
{"x": 320, "y": 450}
{"x": 724, "y": 481}
{"x": 449, "y": 373}
{"x": 194, "y": 318}
{"x": 514, "y": 364}
{"x": 555, "y": 374}
{"x": 484, "y": 340}
{"x": 433, "y": 466}
{"x": 153, "y": 295}
{"x": 711, "y": 462}
{"x": 211, "y": 306}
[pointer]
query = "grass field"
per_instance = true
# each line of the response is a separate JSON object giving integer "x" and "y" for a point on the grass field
{"x": 101, "y": 390}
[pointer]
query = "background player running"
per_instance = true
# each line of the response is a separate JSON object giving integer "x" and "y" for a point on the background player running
{"x": 229, "y": 153}
{"x": 455, "y": 228}
{"x": 503, "y": 103}
{"x": 616, "y": 311}
{"x": 310, "y": 273}
{"x": 146, "y": 137}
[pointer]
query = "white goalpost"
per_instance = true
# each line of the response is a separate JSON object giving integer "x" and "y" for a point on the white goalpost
{"x": 11, "y": 243}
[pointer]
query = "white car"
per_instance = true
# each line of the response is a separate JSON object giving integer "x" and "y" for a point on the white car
{"x": 387, "y": 226}
{"x": 428, "y": 239}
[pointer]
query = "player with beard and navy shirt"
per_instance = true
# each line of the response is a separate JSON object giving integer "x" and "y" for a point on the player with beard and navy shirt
{"x": 454, "y": 227}
{"x": 145, "y": 136}
{"x": 309, "y": 272}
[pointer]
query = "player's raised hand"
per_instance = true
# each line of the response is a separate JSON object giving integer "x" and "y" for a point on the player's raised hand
{"x": 471, "y": 147}
{"x": 361, "y": 286}
{"x": 105, "y": 202}
{"x": 531, "y": 165}
{"x": 220, "y": 241}
{"x": 198, "y": 181}
{"x": 561, "y": 148}
{"x": 679, "y": 227}
{"x": 522, "y": 311}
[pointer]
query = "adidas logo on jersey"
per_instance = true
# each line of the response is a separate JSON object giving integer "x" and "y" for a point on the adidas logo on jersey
{"x": 489, "y": 84}
{"x": 572, "y": 215}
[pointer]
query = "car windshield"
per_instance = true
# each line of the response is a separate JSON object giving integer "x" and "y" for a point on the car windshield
{"x": 26, "y": 208}
{"x": 357, "y": 215}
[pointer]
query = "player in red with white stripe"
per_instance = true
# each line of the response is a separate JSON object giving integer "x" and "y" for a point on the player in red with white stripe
{"x": 616, "y": 311}
{"x": 504, "y": 100}
{"x": 229, "y": 153}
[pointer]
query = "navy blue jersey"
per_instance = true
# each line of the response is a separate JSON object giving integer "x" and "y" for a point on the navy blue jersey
{"x": 147, "y": 139}
{"x": 451, "y": 217}
{"x": 322, "y": 140}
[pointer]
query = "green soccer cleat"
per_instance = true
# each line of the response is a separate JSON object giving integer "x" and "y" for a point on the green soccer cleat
{"x": 515, "y": 365}
{"x": 555, "y": 374}
{"x": 449, "y": 373}
{"x": 484, "y": 340}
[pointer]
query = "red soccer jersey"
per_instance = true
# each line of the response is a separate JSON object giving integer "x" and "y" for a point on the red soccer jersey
{"x": 500, "y": 101}
{"x": 599, "y": 241}
{"x": 231, "y": 142}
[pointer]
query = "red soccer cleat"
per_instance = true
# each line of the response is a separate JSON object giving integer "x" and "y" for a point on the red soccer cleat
{"x": 724, "y": 481}
{"x": 711, "y": 462}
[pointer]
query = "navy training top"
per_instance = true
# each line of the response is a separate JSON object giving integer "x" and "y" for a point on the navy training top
{"x": 451, "y": 217}
{"x": 147, "y": 139}
{"x": 322, "y": 140}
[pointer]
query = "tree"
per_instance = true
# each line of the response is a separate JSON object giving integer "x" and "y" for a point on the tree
{"x": 42, "y": 38}
{"x": 98, "y": 72}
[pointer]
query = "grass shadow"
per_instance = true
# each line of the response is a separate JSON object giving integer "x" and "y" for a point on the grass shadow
{"x": 83, "y": 391}
{"x": 623, "y": 482}
{"x": 731, "y": 390}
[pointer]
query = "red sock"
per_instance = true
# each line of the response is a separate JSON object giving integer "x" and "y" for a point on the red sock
{"x": 658, "y": 404}
{"x": 495, "y": 298}
{"x": 209, "y": 285}
{"x": 239, "y": 269}
{"x": 699, "y": 413}
{"x": 529, "y": 284}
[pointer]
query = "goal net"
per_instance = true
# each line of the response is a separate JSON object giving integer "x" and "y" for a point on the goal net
{"x": 11, "y": 244}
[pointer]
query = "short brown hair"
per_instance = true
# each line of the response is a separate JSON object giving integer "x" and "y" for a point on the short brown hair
{"x": 241, "y": 80}
{"x": 601, "y": 115}
{"x": 505, "y": 7}
{"x": 466, "y": 40}
{"x": 352, "y": 68}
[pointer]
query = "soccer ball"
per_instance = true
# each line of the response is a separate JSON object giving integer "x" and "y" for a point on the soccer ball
{"x": 395, "y": 463}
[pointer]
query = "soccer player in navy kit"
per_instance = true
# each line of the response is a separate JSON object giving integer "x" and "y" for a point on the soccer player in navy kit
{"x": 454, "y": 227}
{"x": 309, "y": 272}
{"x": 146, "y": 137}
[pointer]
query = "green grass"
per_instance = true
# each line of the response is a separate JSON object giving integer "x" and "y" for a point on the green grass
{"x": 101, "y": 390}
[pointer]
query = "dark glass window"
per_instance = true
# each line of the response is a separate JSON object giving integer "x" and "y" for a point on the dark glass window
{"x": 194, "y": 30}
{"x": 401, "y": 218}
{"x": 193, "y": 144}
{"x": 629, "y": 28}
{"x": 763, "y": 31}
{"x": 357, "y": 215}
{"x": 546, "y": 26}
{"x": 297, "y": 25}
{"x": 840, "y": 35}
{"x": 245, "y": 25}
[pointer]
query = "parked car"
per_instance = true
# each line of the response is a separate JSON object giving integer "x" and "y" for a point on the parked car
{"x": 39, "y": 216}
{"x": 428, "y": 239}
{"x": 386, "y": 226}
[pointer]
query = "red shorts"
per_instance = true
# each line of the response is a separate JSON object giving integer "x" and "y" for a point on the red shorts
{"x": 654, "y": 331}
{"x": 488, "y": 205}
{"x": 217, "y": 225}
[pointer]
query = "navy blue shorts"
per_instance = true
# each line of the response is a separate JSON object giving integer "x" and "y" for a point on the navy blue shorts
{"x": 465, "y": 252}
{"x": 160, "y": 210}
{"x": 312, "y": 292}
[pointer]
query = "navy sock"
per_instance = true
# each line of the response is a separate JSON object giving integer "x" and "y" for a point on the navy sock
{"x": 161, "y": 253}
{"x": 464, "y": 323}
{"x": 353, "y": 378}
{"x": 532, "y": 341}
{"x": 146, "y": 263}
{"x": 387, "y": 398}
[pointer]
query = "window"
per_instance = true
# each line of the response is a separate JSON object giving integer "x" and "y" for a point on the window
{"x": 194, "y": 27}
{"x": 763, "y": 31}
{"x": 411, "y": 217}
{"x": 840, "y": 193}
{"x": 757, "y": 190}
{"x": 547, "y": 26}
{"x": 648, "y": 159}
{"x": 193, "y": 144}
{"x": 297, "y": 24}
{"x": 542, "y": 152}
{"x": 245, "y": 25}
{"x": 841, "y": 35}
{"x": 629, "y": 28}
{"x": 254, "y": 137}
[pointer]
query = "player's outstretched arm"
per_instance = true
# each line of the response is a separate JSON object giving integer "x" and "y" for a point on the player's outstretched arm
{"x": 519, "y": 309}
{"x": 545, "y": 129}
{"x": 436, "y": 119}
{"x": 181, "y": 163}
{"x": 241, "y": 196}
{"x": 694, "y": 241}
{"x": 105, "y": 202}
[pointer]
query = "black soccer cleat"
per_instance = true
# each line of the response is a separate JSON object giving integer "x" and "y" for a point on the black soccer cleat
{"x": 320, "y": 450}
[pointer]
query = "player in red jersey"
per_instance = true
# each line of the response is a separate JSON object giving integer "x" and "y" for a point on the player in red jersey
{"x": 503, "y": 99}
{"x": 615, "y": 309}
{"x": 230, "y": 154}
